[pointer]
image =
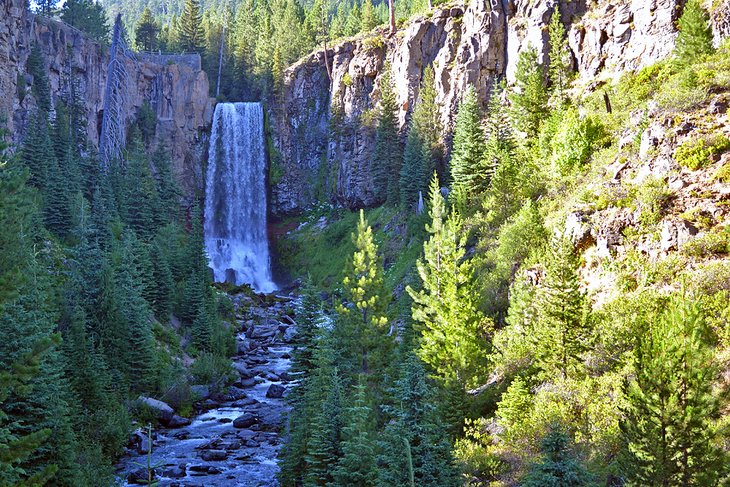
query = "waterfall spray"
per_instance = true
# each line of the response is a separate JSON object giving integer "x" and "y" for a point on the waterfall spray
{"x": 235, "y": 202}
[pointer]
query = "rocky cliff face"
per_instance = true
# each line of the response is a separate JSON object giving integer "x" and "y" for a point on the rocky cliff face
{"x": 323, "y": 129}
{"x": 177, "y": 91}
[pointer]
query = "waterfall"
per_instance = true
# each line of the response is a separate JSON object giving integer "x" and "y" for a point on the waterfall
{"x": 235, "y": 201}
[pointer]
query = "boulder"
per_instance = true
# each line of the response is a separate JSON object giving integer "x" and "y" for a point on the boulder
{"x": 242, "y": 370}
{"x": 200, "y": 391}
{"x": 178, "y": 422}
{"x": 175, "y": 471}
{"x": 163, "y": 411}
{"x": 244, "y": 421}
{"x": 242, "y": 403}
{"x": 141, "y": 476}
{"x": 214, "y": 455}
{"x": 275, "y": 391}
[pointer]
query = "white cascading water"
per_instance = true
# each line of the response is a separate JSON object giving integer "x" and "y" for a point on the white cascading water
{"x": 235, "y": 201}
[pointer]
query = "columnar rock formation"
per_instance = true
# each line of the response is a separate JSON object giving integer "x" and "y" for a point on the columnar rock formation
{"x": 177, "y": 91}
{"x": 323, "y": 129}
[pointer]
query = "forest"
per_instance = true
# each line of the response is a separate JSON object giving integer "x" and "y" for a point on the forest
{"x": 459, "y": 333}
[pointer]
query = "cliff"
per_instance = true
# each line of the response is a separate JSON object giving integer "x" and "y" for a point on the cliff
{"x": 176, "y": 89}
{"x": 323, "y": 130}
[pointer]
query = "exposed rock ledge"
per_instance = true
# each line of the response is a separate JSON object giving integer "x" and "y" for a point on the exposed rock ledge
{"x": 466, "y": 45}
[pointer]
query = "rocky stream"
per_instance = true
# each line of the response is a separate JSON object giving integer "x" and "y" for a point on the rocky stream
{"x": 235, "y": 436}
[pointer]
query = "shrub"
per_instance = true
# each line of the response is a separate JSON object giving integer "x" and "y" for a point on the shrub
{"x": 652, "y": 196}
{"x": 723, "y": 174}
{"x": 708, "y": 244}
{"x": 696, "y": 153}
{"x": 575, "y": 139}
{"x": 347, "y": 79}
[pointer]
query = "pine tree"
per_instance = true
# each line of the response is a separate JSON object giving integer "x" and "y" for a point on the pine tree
{"x": 561, "y": 333}
{"x": 87, "y": 16}
{"x": 671, "y": 408}
{"x": 37, "y": 151}
{"x": 45, "y": 7}
{"x": 41, "y": 88}
{"x": 147, "y": 32}
{"x": 192, "y": 36}
{"x": 423, "y": 148}
{"x": 468, "y": 147}
{"x": 362, "y": 323}
{"x": 559, "y": 466}
{"x": 529, "y": 99}
{"x": 453, "y": 331}
{"x": 369, "y": 19}
{"x": 164, "y": 285}
{"x": 356, "y": 467}
{"x": 388, "y": 155}
{"x": 695, "y": 35}
{"x": 415, "y": 451}
{"x": 560, "y": 58}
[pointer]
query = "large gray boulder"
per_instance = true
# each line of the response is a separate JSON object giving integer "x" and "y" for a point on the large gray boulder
{"x": 163, "y": 411}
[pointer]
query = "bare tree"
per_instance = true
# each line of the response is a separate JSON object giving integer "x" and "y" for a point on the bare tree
{"x": 391, "y": 9}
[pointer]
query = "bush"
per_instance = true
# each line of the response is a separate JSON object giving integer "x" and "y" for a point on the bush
{"x": 210, "y": 369}
{"x": 708, "y": 244}
{"x": 723, "y": 174}
{"x": 575, "y": 139}
{"x": 697, "y": 153}
{"x": 652, "y": 196}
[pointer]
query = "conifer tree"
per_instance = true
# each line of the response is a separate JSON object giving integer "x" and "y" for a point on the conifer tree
{"x": 671, "y": 409}
{"x": 529, "y": 99}
{"x": 695, "y": 35}
{"x": 453, "y": 331}
{"x": 560, "y": 58}
{"x": 45, "y": 7}
{"x": 415, "y": 451}
{"x": 37, "y": 151}
{"x": 363, "y": 325}
{"x": 561, "y": 332}
{"x": 87, "y": 16}
{"x": 41, "y": 88}
{"x": 369, "y": 19}
{"x": 559, "y": 466}
{"x": 387, "y": 157}
{"x": 192, "y": 36}
{"x": 468, "y": 147}
{"x": 147, "y": 32}
{"x": 423, "y": 148}
{"x": 356, "y": 467}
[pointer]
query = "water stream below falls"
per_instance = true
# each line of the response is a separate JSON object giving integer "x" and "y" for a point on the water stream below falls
{"x": 235, "y": 438}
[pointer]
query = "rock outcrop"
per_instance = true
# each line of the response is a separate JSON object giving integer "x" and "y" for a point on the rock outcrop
{"x": 323, "y": 129}
{"x": 176, "y": 89}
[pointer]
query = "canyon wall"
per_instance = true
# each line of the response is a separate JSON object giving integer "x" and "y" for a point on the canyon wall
{"x": 323, "y": 130}
{"x": 177, "y": 91}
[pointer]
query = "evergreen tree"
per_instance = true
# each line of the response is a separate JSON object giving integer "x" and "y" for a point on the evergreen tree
{"x": 369, "y": 19}
{"x": 41, "y": 87}
{"x": 560, "y": 58}
{"x": 561, "y": 333}
{"x": 356, "y": 467}
{"x": 37, "y": 151}
{"x": 695, "y": 35}
{"x": 362, "y": 325}
{"x": 671, "y": 409}
{"x": 529, "y": 99}
{"x": 45, "y": 7}
{"x": 415, "y": 451}
{"x": 387, "y": 156}
{"x": 453, "y": 331}
{"x": 559, "y": 466}
{"x": 423, "y": 148}
{"x": 87, "y": 16}
{"x": 468, "y": 147}
{"x": 147, "y": 32}
{"x": 192, "y": 36}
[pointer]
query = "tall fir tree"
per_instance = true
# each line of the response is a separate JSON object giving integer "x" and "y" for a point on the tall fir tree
{"x": 529, "y": 98}
{"x": 671, "y": 410}
{"x": 468, "y": 147}
{"x": 192, "y": 36}
{"x": 560, "y": 57}
{"x": 147, "y": 32}
{"x": 89, "y": 17}
{"x": 559, "y": 467}
{"x": 561, "y": 332}
{"x": 41, "y": 87}
{"x": 695, "y": 34}
{"x": 453, "y": 332}
{"x": 388, "y": 155}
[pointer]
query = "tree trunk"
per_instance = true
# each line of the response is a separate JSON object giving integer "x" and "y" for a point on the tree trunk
{"x": 391, "y": 8}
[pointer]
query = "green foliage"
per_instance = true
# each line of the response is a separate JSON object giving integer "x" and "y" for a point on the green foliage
{"x": 697, "y": 153}
{"x": 147, "y": 32}
{"x": 695, "y": 35}
{"x": 41, "y": 87}
{"x": 468, "y": 147}
{"x": 387, "y": 157}
{"x": 192, "y": 36}
{"x": 87, "y": 16}
{"x": 529, "y": 99}
{"x": 561, "y": 62}
{"x": 559, "y": 467}
{"x": 453, "y": 332}
{"x": 670, "y": 416}
{"x": 574, "y": 140}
